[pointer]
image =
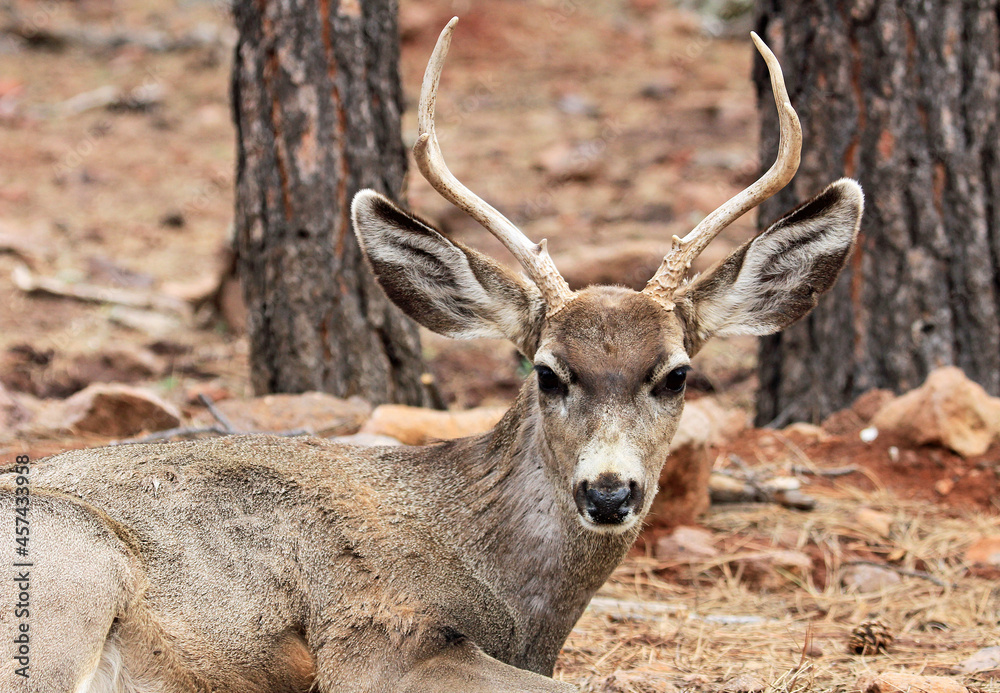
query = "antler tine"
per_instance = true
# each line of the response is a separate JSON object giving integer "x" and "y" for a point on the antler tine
{"x": 534, "y": 258}
{"x": 684, "y": 250}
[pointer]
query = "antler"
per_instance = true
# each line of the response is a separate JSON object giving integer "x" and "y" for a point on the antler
{"x": 534, "y": 258}
{"x": 684, "y": 250}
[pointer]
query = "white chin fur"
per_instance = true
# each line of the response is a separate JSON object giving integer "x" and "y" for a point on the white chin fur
{"x": 592, "y": 526}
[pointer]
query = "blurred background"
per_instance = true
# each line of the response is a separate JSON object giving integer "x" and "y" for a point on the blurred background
{"x": 605, "y": 127}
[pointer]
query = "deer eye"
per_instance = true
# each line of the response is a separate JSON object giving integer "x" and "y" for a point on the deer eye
{"x": 672, "y": 383}
{"x": 548, "y": 381}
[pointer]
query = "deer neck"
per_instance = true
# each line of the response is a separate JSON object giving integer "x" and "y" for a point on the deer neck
{"x": 520, "y": 526}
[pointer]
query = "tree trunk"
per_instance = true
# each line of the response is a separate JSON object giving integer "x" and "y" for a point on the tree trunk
{"x": 902, "y": 95}
{"x": 317, "y": 101}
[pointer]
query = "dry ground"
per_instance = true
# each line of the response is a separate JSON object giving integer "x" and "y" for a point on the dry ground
{"x": 604, "y": 126}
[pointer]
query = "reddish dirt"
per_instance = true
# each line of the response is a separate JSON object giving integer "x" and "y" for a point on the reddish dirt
{"x": 924, "y": 473}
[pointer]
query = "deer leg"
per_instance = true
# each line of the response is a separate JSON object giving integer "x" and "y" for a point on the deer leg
{"x": 76, "y": 664}
{"x": 61, "y": 600}
{"x": 466, "y": 668}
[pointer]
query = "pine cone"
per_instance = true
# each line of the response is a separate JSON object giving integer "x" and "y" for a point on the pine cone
{"x": 869, "y": 638}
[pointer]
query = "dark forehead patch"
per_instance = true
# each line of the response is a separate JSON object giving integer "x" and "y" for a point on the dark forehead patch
{"x": 612, "y": 332}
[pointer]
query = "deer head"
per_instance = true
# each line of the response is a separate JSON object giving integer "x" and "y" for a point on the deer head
{"x": 610, "y": 363}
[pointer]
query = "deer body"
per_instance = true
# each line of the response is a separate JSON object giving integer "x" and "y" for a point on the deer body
{"x": 367, "y": 550}
{"x": 255, "y": 564}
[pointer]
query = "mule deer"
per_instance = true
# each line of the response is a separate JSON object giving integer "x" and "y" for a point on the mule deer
{"x": 256, "y": 563}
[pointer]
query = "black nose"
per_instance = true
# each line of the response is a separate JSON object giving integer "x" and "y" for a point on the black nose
{"x": 608, "y": 501}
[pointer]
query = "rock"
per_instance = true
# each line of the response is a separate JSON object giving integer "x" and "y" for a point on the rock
{"x": 865, "y": 579}
{"x": 842, "y": 423}
{"x": 686, "y": 544}
{"x": 787, "y": 491}
{"x": 987, "y": 659}
{"x": 365, "y": 440}
{"x": 683, "y": 483}
{"x": 759, "y": 567}
{"x": 944, "y": 486}
{"x": 782, "y": 558}
{"x": 419, "y": 426}
{"x": 806, "y": 433}
{"x": 781, "y": 484}
{"x": 948, "y": 410}
{"x": 984, "y": 551}
{"x": 726, "y": 489}
{"x": 323, "y": 414}
{"x": 867, "y": 405}
{"x": 879, "y": 522}
{"x": 704, "y": 422}
{"x": 852, "y": 420}
{"x": 744, "y": 683}
{"x": 795, "y": 499}
{"x": 116, "y": 411}
{"x": 895, "y": 682}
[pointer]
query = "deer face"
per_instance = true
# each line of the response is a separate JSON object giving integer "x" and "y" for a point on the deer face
{"x": 610, "y": 372}
{"x": 609, "y": 362}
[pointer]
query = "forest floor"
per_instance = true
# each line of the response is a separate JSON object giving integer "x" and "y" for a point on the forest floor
{"x": 604, "y": 126}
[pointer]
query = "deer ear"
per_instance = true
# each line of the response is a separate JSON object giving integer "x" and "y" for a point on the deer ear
{"x": 776, "y": 278}
{"x": 446, "y": 287}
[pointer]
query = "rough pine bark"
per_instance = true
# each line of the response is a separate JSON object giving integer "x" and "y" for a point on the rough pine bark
{"x": 902, "y": 95}
{"x": 317, "y": 101}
